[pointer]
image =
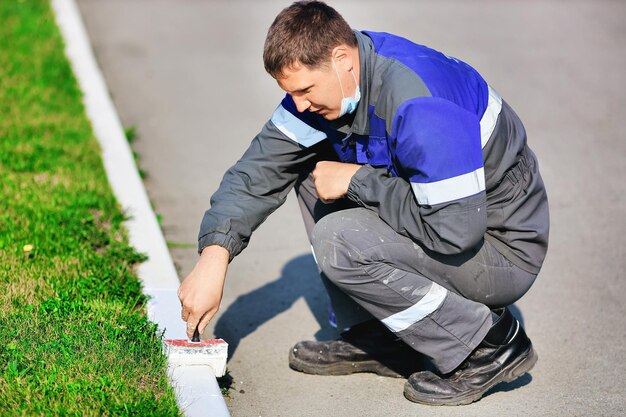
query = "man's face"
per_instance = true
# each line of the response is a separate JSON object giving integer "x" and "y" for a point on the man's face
{"x": 316, "y": 90}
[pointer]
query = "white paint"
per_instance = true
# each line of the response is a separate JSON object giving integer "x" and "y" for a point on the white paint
{"x": 196, "y": 389}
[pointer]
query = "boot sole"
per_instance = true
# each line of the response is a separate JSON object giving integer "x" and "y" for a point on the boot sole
{"x": 518, "y": 368}
{"x": 341, "y": 368}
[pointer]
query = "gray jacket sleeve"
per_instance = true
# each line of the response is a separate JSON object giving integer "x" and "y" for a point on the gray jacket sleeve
{"x": 446, "y": 228}
{"x": 252, "y": 189}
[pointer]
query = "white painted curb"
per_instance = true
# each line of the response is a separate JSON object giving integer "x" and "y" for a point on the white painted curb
{"x": 196, "y": 389}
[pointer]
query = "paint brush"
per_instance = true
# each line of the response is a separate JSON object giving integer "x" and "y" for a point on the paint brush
{"x": 209, "y": 352}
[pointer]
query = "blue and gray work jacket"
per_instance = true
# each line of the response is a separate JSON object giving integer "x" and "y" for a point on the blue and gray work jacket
{"x": 444, "y": 159}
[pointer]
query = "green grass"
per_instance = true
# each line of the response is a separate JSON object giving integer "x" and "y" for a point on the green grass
{"x": 131, "y": 135}
{"x": 74, "y": 339}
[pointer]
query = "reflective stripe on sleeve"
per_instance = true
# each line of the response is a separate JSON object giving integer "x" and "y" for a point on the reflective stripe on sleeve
{"x": 450, "y": 189}
{"x": 427, "y": 305}
{"x": 295, "y": 129}
{"x": 488, "y": 121}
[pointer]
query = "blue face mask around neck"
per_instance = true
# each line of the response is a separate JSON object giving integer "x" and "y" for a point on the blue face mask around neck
{"x": 348, "y": 104}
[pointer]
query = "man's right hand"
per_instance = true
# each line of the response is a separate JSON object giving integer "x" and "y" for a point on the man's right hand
{"x": 201, "y": 291}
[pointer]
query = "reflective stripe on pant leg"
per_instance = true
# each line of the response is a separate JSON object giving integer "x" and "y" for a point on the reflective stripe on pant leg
{"x": 430, "y": 302}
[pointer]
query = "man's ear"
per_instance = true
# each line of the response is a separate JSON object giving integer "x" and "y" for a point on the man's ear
{"x": 342, "y": 57}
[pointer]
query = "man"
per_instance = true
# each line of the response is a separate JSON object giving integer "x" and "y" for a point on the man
{"x": 423, "y": 203}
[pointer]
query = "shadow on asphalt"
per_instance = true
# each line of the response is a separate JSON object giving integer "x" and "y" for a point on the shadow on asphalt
{"x": 510, "y": 386}
{"x": 299, "y": 278}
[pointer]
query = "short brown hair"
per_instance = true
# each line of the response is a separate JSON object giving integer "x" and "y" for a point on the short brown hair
{"x": 305, "y": 32}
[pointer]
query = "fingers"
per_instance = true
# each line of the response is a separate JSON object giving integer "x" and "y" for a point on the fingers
{"x": 200, "y": 324}
{"x": 204, "y": 322}
{"x": 184, "y": 314}
{"x": 191, "y": 328}
{"x": 326, "y": 182}
{"x": 192, "y": 314}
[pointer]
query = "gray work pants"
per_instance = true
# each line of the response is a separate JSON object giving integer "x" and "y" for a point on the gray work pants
{"x": 437, "y": 304}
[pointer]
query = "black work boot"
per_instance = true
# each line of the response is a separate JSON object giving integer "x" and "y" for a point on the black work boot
{"x": 366, "y": 347}
{"x": 505, "y": 354}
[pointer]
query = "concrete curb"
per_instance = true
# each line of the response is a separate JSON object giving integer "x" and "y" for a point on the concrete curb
{"x": 197, "y": 391}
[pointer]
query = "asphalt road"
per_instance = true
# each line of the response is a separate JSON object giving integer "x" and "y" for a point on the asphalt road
{"x": 189, "y": 76}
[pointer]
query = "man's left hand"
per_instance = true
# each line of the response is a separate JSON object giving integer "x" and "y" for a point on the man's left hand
{"x": 332, "y": 179}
